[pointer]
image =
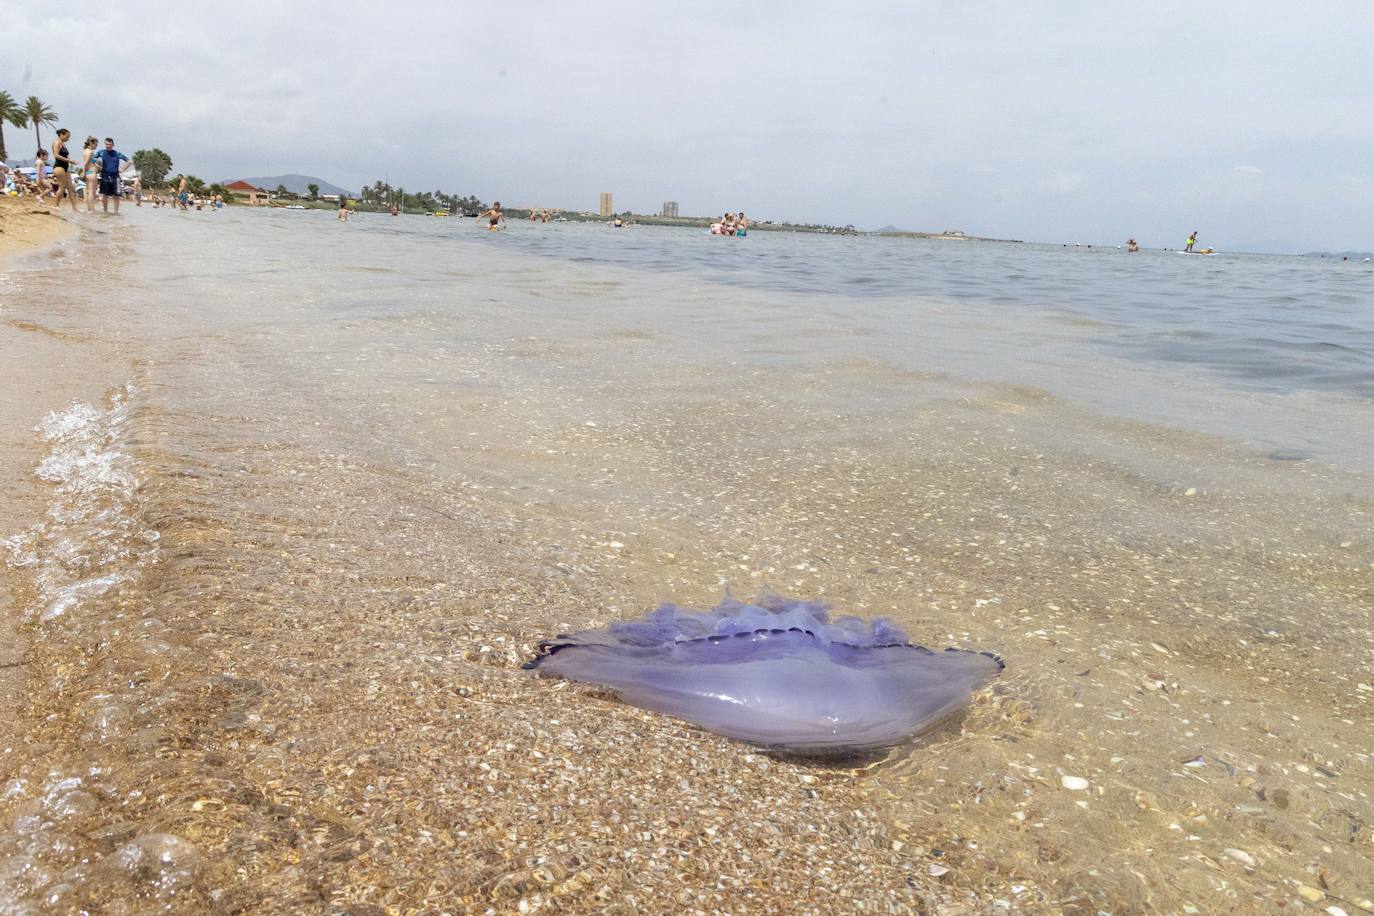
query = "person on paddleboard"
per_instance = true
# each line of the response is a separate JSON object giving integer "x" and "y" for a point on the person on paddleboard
{"x": 1192, "y": 240}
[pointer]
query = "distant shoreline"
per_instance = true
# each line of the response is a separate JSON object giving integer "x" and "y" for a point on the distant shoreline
{"x": 945, "y": 237}
{"x": 681, "y": 222}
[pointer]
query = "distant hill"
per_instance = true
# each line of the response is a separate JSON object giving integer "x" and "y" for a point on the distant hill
{"x": 296, "y": 184}
{"x": 890, "y": 229}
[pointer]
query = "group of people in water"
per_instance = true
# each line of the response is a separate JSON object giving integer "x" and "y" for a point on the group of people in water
{"x": 57, "y": 171}
{"x": 100, "y": 171}
{"x": 183, "y": 198}
{"x": 731, "y": 224}
{"x": 184, "y": 201}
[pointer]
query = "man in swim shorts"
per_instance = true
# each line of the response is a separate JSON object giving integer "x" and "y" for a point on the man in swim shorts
{"x": 110, "y": 170}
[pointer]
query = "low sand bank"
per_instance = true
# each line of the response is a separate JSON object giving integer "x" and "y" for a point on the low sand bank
{"x": 26, "y": 225}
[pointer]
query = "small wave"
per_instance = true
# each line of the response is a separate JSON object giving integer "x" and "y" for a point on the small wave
{"x": 57, "y": 847}
{"x": 91, "y": 539}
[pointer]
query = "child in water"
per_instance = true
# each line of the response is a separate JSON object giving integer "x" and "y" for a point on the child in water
{"x": 494, "y": 217}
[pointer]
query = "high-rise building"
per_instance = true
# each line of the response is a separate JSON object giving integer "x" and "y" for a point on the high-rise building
{"x": 606, "y": 203}
{"x": 670, "y": 208}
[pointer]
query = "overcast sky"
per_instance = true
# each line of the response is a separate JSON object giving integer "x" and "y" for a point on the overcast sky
{"x": 1250, "y": 120}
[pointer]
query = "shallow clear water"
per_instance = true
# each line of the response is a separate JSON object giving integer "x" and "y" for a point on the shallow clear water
{"x": 1269, "y": 323}
{"x": 349, "y": 476}
{"x": 1274, "y": 351}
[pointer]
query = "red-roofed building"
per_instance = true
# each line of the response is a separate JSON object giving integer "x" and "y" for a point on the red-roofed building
{"x": 243, "y": 189}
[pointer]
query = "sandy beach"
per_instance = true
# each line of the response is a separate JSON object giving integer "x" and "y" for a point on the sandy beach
{"x": 25, "y": 225}
{"x": 362, "y": 499}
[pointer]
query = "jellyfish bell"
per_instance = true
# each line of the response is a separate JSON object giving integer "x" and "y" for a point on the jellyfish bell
{"x": 777, "y": 673}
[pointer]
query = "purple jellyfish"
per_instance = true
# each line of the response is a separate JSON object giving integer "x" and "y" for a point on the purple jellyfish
{"x": 777, "y": 673}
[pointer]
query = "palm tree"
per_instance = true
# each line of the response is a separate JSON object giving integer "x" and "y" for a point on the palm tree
{"x": 38, "y": 113}
{"x": 11, "y": 113}
{"x": 153, "y": 164}
{"x": 314, "y": 190}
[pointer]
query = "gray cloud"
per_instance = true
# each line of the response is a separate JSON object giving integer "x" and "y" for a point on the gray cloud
{"x": 1088, "y": 122}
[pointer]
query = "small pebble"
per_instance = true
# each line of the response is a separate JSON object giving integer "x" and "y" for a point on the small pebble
{"x": 1073, "y": 783}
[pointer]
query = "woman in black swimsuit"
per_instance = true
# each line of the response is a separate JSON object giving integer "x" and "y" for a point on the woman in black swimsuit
{"x": 62, "y": 168}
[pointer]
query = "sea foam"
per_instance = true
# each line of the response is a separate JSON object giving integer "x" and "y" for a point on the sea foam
{"x": 91, "y": 539}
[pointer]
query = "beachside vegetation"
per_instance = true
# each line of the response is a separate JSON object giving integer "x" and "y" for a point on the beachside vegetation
{"x": 381, "y": 196}
{"x": 314, "y": 190}
{"x": 10, "y": 113}
{"x": 39, "y": 114}
{"x": 153, "y": 166}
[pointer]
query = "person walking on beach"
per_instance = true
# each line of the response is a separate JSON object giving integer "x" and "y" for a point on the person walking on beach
{"x": 138, "y": 190}
{"x": 110, "y": 170}
{"x": 62, "y": 167}
{"x": 40, "y": 177}
{"x": 1192, "y": 240}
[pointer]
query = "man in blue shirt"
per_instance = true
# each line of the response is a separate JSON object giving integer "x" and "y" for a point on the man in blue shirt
{"x": 110, "y": 168}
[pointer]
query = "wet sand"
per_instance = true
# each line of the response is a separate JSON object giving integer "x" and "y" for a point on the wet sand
{"x": 312, "y": 699}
